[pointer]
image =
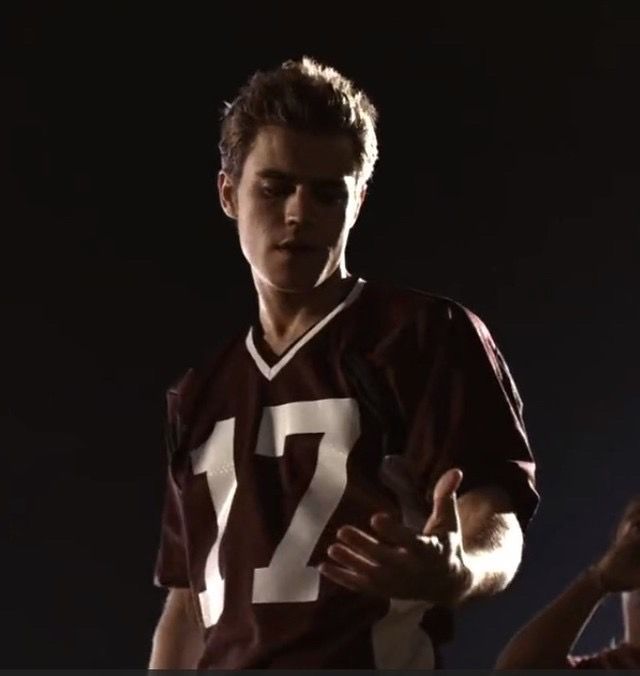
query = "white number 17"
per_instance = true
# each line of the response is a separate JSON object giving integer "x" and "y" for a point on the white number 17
{"x": 287, "y": 578}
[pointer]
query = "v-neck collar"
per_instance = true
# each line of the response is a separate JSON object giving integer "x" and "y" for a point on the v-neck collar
{"x": 270, "y": 372}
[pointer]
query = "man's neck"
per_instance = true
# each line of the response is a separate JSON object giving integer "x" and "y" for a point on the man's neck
{"x": 631, "y": 614}
{"x": 285, "y": 316}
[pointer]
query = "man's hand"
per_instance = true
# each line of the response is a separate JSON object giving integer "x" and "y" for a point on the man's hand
{"x": 178, "y": 641}
{"x": 403, "y": 561}
{"x": 619, "y": 568}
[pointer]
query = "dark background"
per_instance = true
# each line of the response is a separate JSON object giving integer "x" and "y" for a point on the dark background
{"x": 508, "y": 179}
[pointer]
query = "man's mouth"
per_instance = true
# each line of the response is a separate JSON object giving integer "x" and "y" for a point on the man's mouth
{"x": 296, "y": 247}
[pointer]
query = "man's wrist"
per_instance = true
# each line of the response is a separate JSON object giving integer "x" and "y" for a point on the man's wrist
{"x": 597, "y": 580}
{"x": 466, "y": 581}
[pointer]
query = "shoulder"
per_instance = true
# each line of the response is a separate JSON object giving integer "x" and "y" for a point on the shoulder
{"x": 186, "y": 388}
{"x": 410, "y": 299}
{"x": 426, "y": 311}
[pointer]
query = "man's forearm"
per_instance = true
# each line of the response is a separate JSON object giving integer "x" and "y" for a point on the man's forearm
{"x": 177, "y": 640}
{"x": 174, "y": 650}
{"x": 492, "y": 554}
{"x": 492, "y": 540}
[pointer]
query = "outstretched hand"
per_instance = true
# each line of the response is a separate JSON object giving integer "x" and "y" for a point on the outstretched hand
{"x": 400, "y": 559}
{"x": 619, "y": 568}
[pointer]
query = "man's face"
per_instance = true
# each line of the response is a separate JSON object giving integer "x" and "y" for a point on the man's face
{"x": 294, "y": 203}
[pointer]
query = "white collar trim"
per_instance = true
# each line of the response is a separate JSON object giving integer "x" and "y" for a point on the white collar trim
{"x": 270, "y": 372}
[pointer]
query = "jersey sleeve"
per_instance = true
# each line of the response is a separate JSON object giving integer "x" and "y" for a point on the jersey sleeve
{"x": 171, "y": 569}
{"x": 171, "y": 563}
{"x": 472, "y": 415}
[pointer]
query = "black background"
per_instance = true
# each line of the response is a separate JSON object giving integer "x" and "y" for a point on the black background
{"x": 508, "y": 179}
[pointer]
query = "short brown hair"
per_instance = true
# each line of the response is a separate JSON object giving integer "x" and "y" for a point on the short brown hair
{"x": 304, "y": 95}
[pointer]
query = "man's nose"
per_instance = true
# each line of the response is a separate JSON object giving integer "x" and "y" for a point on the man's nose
{"x": 300, "y": 206}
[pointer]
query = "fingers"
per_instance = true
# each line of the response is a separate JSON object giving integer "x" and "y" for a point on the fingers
{"x": 355, "y": 572}
{"x": 345, "y": 578}
{"x": 447, "y": 484}
{"x": 367, "y": 547}
{"x": 392, "y": 549}
{"x": 620, "y": 566}
{"x": 444, "y": 515}
{"x": 393, "y": 532}
{"x": 351, "y": 559}
{"x": 393, "y": 561}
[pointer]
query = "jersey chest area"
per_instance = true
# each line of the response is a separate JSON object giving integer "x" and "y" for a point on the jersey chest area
{"x": 279, "y": 466}
{"x": 308, "y": 417}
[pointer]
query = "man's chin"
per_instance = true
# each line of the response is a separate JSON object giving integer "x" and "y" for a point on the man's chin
{"x": 294, "y": 284}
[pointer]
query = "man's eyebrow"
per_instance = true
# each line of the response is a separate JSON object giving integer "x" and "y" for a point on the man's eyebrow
{"x": 329, "y": 183}
{"x": 284, "y": 176}
{"x": 275, "y": 173}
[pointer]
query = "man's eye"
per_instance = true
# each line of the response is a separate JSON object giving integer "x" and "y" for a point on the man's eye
{"x": 330, "y": 196}
{"x": 275, "y": 189}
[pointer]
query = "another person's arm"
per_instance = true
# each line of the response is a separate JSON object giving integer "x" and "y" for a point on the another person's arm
{"x": 547, "y": 639}
{"x": 177, "y": 641}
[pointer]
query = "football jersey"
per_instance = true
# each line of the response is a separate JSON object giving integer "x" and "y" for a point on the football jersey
{"x": 270, "y": 455}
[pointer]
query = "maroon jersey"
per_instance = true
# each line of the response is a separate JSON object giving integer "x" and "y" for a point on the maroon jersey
{"x": 270, "y": 455}
{"x": 621, "y": 656}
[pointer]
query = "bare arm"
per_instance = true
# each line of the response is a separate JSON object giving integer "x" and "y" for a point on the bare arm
{"x": 177, "y": 641}
{"x": 546, "y": 641}
{"x": 434, "y": 565}
{"x": 491, "y": 540}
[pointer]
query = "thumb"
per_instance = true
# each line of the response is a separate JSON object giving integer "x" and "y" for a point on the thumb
{"x": 444, "y": 515}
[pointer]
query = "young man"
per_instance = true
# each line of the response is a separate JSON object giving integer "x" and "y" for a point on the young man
{"x": 312, "y": 516}
{"x": 546, "y": 641}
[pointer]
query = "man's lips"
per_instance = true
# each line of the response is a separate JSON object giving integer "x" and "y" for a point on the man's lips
{"x": 297, "y": 247}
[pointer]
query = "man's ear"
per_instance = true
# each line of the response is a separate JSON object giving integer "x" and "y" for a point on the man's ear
{"x": 362, "y": 194}
{"x": 228, "y": 195}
